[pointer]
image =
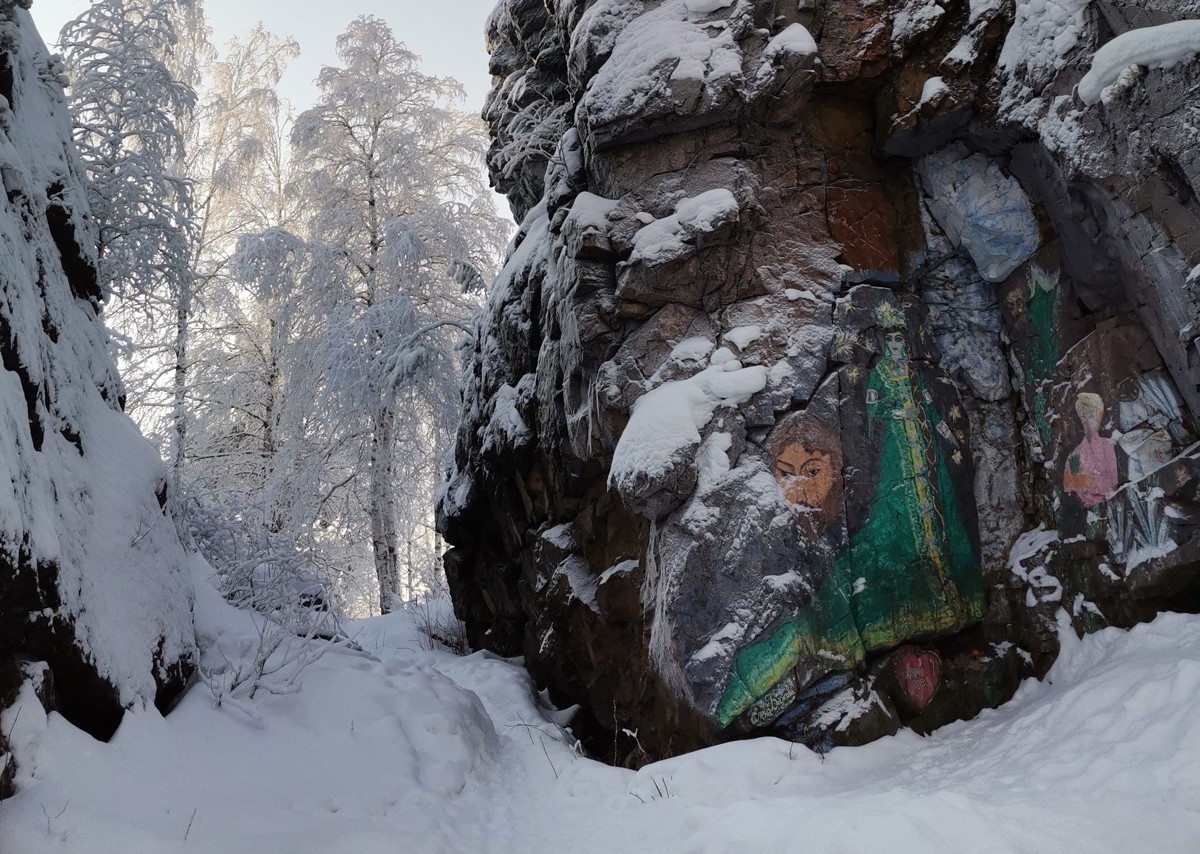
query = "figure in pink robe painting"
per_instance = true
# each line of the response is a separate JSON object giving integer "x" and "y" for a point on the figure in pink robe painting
{"x": 1091, "y": 470}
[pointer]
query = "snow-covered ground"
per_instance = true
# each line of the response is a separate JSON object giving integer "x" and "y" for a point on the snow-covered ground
{"x": 399, "y": 748}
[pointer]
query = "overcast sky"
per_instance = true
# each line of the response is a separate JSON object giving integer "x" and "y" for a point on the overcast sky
{"x": 448, "y": 35}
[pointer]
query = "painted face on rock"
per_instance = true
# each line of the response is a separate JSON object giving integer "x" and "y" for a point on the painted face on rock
{"x": 1090, "y": 420}
{"x": 807, "y": 478}
{"x": 895, "y": 344}
{"x": 1016, "y": 303}
{"x": 806, "y": 459}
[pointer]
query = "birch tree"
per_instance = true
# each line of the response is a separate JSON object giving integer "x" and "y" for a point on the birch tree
{"x": 129, "y": 109}
{"x": 395, "y": 191}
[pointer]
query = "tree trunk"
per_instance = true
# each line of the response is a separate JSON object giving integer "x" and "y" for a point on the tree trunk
{"x": 179, "y": 394}
{"x": 384, "y": 541}
{"x": 410, "y": 583}
{"x": 271, "y": 405}
{"x": 274, "y": 517}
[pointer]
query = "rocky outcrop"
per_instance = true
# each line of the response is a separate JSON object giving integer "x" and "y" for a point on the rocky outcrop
{"x": 845, "y": 355}
{"x": 95, "y": 598}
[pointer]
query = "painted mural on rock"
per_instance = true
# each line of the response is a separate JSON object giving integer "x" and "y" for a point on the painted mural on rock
{"x": 909, "y": 567}
{"x": 1021, "y": 250}
{"x": 1119, "y": 468}
{"x": 1128, "y": 427}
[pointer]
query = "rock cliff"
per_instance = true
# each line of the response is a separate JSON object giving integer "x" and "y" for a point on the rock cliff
{"x": 95, "y": 597}
{"x": 847, "y": 353}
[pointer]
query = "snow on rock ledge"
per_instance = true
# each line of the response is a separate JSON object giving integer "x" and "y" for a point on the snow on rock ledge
{"x": 665, "y": 64}
{"x": 1153, "y": 47}
{"x": 656, "y": 453}
{"x": 661, "y": 241}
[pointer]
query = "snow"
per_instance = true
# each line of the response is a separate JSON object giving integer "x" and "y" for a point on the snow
{"x": 667, "y": 420}
{"x": 559, "y": 536}
{"x": 962, "y": 54}
{"x": 591, "y": 211}
{"x": 700, "y": 8}
{"x": 90, "y": 509}
{"x": 400, "y": 747}
{"x": 934, "y": 88}
{"x": 743, "y": 336}
{"x": 1037, "y": 46}
{"x": 580, "y": 580}
{"x": 794, "y": 39}
{"x": 722, "y": 356}
{"x": 1043, "y": 33}
{"x": 506, "y": 428}
{"x": 784, "y": 582}
{"x": 1154, "y": 47}
{"x": 914, "y": 19}
{"x": 1029, "y": 545}
{"x": 693, "y": 349}
{"x": 980, "y": 8}
{"x": 653, "y": 52}
{"x": 712, "y": 461}
{"x": 622, "y": 568}
{"x": 600, "y": 26}
{"x": 665, "y": 238}
{"x": 721, "y": 643}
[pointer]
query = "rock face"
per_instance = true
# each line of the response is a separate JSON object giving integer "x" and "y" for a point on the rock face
{"x": 844, "y": 357}
{"x": 95, "y": 598}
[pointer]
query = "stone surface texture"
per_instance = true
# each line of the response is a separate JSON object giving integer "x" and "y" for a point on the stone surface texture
{"x": 857, "y": 358}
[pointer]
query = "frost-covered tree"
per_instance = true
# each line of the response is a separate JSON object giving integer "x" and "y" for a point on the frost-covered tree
{"x": 129, "y": 109}
{"x": 394, "y": 191}
{"x": 236, "y": 154}
{"x": 292, "y": 333}
{"x": 246, "y": 497}
{"x": 234, "y": 147}
{"x": 260, "y": 450}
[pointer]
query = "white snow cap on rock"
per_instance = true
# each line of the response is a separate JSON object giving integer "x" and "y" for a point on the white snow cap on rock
{"x": 657, "y": 50}
{"x": 794, "y": 38}
{"x": 1043, "y": 33}
{"x": 664, "y": 239}
{"x": 1153, "y": 47}
{"x": 700, "y": 8}
{"x": 667, "y": 420}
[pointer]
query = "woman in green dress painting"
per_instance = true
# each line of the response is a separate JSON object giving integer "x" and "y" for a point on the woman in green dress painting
{"x": 910, "y": 569}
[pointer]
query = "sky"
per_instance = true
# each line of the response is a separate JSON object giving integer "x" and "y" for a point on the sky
{"x": 449, "y": 46}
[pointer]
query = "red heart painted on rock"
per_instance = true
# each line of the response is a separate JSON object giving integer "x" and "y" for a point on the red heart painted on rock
{"x": 918, "y": 671}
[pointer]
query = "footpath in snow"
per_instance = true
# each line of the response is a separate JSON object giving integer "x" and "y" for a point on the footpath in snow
{"x": 398, "y": 748}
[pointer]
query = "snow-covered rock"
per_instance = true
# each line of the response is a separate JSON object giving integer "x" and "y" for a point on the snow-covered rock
{"x": 1152, "y": 47}
{"x": 93, "y": 579}
{"x": 965, "y": 297}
